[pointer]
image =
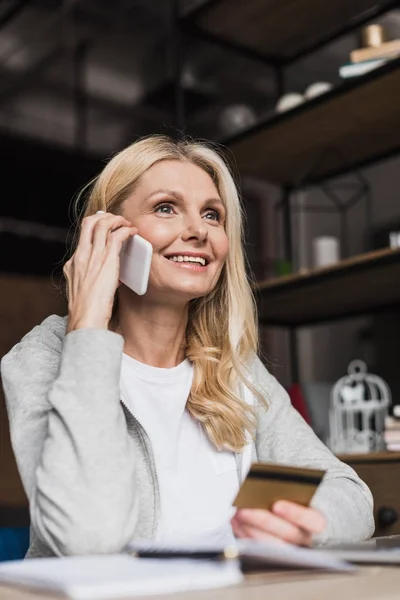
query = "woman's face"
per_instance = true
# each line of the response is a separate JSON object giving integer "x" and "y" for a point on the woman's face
{"x": 177, "y": 208}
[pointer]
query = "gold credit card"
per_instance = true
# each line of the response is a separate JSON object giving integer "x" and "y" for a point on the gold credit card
{"x": 266, "y": 483}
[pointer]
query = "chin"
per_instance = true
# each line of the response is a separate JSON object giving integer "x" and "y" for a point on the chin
{"x": 189, "y": 288}
{"x": 181, "y": 288}
{"x": 179, "y": 294}
{"x": 189, "y": 293}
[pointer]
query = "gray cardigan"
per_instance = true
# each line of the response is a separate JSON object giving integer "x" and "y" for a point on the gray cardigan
{"x": 87, "y": 465}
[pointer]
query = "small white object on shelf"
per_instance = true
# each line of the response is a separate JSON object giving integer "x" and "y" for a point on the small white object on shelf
{"x": 316, "y": 89}
{"x": 357, "y": 69}
{"x": 358, "y": 411}
{"x": 394, "y": 239}
{"x": 289, "y": 101}
{"x": 326, "y": 250}
{"x": 236, "y": 117}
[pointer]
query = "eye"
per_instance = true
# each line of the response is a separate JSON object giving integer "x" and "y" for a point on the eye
{"x": 213, "y": 215}
{"x": 166, "y": 208}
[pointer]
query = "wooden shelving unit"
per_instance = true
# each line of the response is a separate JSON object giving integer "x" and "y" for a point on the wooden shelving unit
{"x": 360, "y": 117}
{"x": 353, "y": 125}
{"x": 360, "y": 285}
{"x": 281, "y": 30}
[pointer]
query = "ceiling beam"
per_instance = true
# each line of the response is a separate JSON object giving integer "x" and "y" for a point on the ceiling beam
{"x": 12, "y": 84}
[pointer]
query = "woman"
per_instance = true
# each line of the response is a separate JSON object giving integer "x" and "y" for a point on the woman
{"x": 137, "y": 417}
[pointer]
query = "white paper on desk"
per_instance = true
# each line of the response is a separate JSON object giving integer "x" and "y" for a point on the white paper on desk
{"x": 266, "y": 553}
{"x": 287, "y": 555}
{"x": 369, "y": 555}
{"x": 116, "y": 576}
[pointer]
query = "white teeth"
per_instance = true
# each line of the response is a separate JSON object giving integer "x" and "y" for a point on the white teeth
{"x": 191, "y": 259}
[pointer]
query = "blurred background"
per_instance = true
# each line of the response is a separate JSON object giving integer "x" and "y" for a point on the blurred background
{"x": 304, "y": 97}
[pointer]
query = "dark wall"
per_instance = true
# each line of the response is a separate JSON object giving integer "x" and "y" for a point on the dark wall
{"x": 38, "y": 184}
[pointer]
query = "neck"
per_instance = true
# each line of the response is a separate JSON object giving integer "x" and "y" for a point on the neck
{"x": 154, "y": 333}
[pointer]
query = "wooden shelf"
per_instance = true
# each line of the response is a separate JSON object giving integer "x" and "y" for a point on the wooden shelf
{"x": 282, "y": 29}
{"x": 353, "y": 287}
{"x": 351, "y": 126}
{"x": 370, "y": 457}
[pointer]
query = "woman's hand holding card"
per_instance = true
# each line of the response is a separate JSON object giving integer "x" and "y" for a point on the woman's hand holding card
{"x": 286, "y": 522}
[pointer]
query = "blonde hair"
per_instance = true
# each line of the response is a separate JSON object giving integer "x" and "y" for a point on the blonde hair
{"x": 221, "y": 335}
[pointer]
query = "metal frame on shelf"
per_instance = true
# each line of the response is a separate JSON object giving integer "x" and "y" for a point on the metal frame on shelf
{"x": 359, "y": 189}
{"x": 361, "y": 192}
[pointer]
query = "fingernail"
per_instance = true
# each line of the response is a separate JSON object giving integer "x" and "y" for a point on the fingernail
{"x": 278, "y": 506}
{"x": 100, "y": 212}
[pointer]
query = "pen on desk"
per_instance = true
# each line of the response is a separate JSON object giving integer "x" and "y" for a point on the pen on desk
{"x": 227, "y": 553}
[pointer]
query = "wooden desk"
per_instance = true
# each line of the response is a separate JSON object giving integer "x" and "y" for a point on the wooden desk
{"x": 371, "y": 583}
{"x": 380, "y": 471}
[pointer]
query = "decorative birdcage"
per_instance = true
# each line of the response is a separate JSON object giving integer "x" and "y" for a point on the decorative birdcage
{"x": 358, "y": 409}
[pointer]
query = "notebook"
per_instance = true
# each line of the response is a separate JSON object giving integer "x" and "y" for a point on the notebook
{"x": 118, "y": 575}
{"x": 249, "y": 553}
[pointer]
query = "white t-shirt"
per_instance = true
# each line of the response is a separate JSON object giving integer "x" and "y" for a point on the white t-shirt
{"x": 197, "y": 482}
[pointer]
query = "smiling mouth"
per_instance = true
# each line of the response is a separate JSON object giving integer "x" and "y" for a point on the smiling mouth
{"x": 189, "y": 262}
{"x": 200, "y": 259}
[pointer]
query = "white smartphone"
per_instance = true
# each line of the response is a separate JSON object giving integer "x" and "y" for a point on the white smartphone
{"x": 135, "y": 263}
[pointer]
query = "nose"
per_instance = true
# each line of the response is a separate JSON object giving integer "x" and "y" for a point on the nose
{"x": 195, "y": 229}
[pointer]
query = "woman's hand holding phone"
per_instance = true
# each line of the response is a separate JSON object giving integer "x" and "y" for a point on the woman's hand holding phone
{"x": 92, "y": 272}
{"x": 286, "y": 522}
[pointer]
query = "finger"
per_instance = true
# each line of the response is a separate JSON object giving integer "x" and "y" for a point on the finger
{"x": 306, "y": 517}
{"x": 84, "y": 245}
{"x": 238, "y": 530}
{"x": 271, "y": 524}
{"x": 117, "y": 238}
{"x": 254, "y": 533}
{"x": 103, "y": 227}
{"x": 87, "y": 226}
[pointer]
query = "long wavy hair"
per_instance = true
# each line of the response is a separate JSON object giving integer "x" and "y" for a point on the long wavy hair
{"x": 221, "y": 335}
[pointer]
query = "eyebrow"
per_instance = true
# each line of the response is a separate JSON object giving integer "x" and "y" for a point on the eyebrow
{"x": 178, "y": 196}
